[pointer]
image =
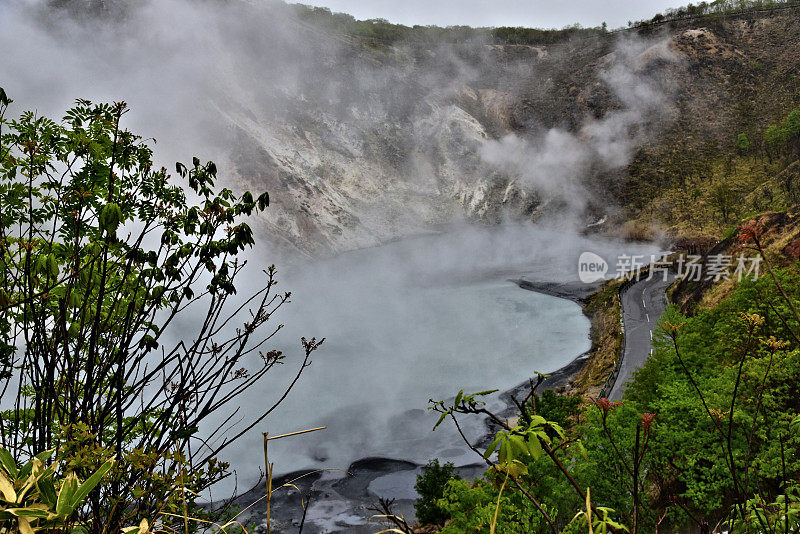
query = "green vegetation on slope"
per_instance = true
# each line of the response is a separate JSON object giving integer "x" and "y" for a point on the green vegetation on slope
{"x": 708, "y": 191}
{"x": 388, "y": 33}
{"x": 709, "y": 430}
{"x": 99, "y": 252}
{"x": 715, "y": 8}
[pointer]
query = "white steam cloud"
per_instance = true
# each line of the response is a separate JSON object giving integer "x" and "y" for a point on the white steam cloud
{"x": 375, "y": 148}
{"x": 173, "y": 61}
{"x": 557, "y": 162}
{"x": 356, "y": 148}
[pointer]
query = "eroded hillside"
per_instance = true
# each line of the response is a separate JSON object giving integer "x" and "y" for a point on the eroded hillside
{"x": 361, "y": 140}
{"x": 399, "y": 146}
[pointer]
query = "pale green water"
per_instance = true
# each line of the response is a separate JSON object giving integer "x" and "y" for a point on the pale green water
{"x": 417, "y": 319}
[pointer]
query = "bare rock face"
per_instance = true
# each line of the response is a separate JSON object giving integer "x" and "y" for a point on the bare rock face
{"x": 356, "y": 183}
{"x": 387, "y": 142}
{"x": 402, "y": 157}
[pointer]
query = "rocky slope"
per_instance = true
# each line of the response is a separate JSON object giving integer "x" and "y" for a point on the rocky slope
{"x": 391, "y": 153}
{"x": 361, "y": 140}
{"x": 384, "y": 141}
{"x": 742, "y": 74}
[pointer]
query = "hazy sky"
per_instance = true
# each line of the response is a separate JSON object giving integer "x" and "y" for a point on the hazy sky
{"x": 532, "y": 13}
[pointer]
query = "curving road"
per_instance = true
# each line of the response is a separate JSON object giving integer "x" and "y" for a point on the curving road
{"x": 642, "y": 306}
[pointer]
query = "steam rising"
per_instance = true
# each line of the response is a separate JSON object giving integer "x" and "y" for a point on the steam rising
{"x": 356, "y": 150}
{"x": 416, "y": 319}
{"x": 357, "y": 147}
{"x": 557, "y": 162}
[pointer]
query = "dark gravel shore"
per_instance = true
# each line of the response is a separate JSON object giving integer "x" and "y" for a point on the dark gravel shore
{"x": 574, "y": 291}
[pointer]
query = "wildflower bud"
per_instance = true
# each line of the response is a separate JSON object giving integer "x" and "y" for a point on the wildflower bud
{"x": 752, "y": 319}
{"x": 774, "y": 345}
{"x": 605, "y": 405}
{"x": 672, "y": 328}
{"x": 647, "y": 422}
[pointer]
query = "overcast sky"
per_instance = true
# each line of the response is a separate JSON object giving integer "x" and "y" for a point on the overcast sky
{"x": 531, "y": 13}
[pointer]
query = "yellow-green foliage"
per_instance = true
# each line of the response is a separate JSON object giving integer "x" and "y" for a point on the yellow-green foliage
{"x": 33, "y": 498}
{"x": 726, "y": 190}
{"x": 704, "y": 189}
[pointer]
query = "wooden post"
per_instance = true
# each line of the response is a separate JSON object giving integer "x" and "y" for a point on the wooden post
{"x": 269, "y": 481}
{"x": 269, "y": 466}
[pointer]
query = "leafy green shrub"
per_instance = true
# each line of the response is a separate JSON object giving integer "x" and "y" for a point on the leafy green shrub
{"x": 743, "y": 142}
{"x": 100, "y": 252}
{"x": 560, "y": 409}
{"x": 473, "y": 508}
{"x": 33, "y": 498}
{"x": 779, "y": 135}
{"x": 430, "y": 486}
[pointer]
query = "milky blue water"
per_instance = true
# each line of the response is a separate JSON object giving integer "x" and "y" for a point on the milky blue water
{"x": 414, "y": 320}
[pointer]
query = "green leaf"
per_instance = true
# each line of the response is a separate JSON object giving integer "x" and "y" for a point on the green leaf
{"x": 516, "y": 468}
{"x": 537, "y": 420}
{"x": 458, "y": 398}
{"x": 518, "y": 447}
{"x": 7, "y": 462}
{"x": 47, "y": 490}
{"x": 52, "y": 265}
{"x": 505, "y": 451}
{"x": 45, "y": 455}
{"x": 558, "y": 429}
{"x": 439, "y": 422}
{"x": 25, "y": 471}
{"x": 534, "y": 448}
{"x": 29, "y": 512}
{"x": 34, "y": 470}
{"x": 66, "y": 496}
{"x": 492, "y": 447}
{"x": 89, "y": 484}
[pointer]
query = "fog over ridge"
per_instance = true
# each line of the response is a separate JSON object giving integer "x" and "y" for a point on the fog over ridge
{"x": 358, "y": 148}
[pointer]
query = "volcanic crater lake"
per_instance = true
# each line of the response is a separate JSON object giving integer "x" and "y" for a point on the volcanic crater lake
{"x": 406, "y": 322}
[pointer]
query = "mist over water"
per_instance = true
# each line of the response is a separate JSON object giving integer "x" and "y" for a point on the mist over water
{"x": 417, "y": 319}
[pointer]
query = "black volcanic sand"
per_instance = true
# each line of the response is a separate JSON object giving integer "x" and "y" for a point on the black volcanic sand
{"x": 574, "y": 291}
{"x": 338, "y": 504}
{"x": 342, "y": 502}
